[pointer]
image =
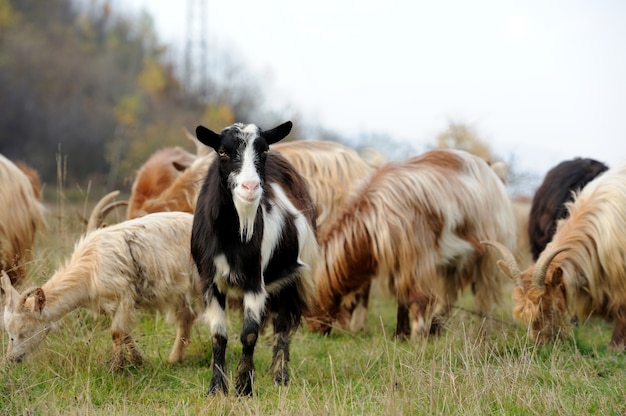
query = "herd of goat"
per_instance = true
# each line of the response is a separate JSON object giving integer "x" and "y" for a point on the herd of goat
{"x": 295, "y": 232}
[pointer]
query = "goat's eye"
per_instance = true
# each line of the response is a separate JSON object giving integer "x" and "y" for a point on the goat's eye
{"x": 222, "y": 153}
{"x": 266, "y": 151}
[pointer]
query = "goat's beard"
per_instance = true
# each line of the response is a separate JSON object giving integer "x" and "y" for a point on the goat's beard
{"x": 247, "y": 216}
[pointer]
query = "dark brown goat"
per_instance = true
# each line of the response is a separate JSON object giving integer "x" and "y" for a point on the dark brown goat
{"x": 558, "y": 187}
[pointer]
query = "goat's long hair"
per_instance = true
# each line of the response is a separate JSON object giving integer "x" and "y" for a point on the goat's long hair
{"x": 594, "y": 266}
{"x": 415, "y": 221}
{"x": 21, "y": 215}
{"x": 332, "y": 171}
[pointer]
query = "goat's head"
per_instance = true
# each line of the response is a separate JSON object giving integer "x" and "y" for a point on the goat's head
{"x": 242, "y": 151}
{"x": 540, "y": 297}
{"x": 24, "y": 319}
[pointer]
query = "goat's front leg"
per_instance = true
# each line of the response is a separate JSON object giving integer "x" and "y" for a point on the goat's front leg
{"x": 219, "y": 337}
{"x": 353, "y": 310}
{"x": 253, "y": 309}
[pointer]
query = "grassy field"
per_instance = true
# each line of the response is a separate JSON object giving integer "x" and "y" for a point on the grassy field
{"x": 342, "y": 374}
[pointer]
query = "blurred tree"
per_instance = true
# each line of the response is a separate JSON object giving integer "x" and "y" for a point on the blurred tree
{"x": 9, "y": 18}
{"x": 463, "y": 137}
{"x": 80, "y": 79}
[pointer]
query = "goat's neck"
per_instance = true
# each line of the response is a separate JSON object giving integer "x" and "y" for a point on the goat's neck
{"x": 67, "y": 290}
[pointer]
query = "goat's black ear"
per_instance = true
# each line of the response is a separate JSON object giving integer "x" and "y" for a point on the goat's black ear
{"x": 208, "y": 137}
{"x": 277, "y": 133}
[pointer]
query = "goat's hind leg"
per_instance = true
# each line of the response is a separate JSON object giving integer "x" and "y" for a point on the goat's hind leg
{"x": 280, "y": 353}
{"x": 185, "y": 318}
{"x": 287, "y": 310}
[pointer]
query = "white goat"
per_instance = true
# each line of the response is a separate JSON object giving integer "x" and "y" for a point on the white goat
{"x": 142, "y": 263}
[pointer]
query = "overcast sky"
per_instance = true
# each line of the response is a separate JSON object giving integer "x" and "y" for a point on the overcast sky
{"x": 543, "y": 80}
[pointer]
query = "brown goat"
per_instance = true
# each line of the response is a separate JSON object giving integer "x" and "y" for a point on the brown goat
{"x": 21, "y": 216}
{"x": 156, "y": 175}
{"x": 417, "y": 225}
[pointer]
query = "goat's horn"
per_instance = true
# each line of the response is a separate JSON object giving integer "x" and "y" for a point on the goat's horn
{"x": 96, "y": 217}
{"x": 513, "y": 270}
{"x": 541, "y": 268}
{"x": 201, "y": 150}
{"x": 110, "y": 207}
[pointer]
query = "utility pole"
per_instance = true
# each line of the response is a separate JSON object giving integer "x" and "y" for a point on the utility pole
{"x": 196, "y": 68}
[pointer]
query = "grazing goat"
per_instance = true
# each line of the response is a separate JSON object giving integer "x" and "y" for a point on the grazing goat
{"x": 253, "y": 236}
{"x": 582, "y": 271}
{"x": 156, "y": 175}
{"x": 557, "y": 188}
{"x": 142, "y": 263}
{"x": 417, "y": 225}
{"x": 21, "y": 215}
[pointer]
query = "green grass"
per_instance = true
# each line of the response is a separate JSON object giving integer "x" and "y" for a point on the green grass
{"x": 341, "y": 374}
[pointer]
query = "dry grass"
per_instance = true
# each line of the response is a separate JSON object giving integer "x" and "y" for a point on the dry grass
{"x": 342, "y": 374}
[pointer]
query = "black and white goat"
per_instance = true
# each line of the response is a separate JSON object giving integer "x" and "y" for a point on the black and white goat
{"x": 253, "y": 237}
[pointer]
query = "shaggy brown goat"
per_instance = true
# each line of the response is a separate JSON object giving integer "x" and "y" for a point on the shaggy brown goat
{"x": 417, "y": 225}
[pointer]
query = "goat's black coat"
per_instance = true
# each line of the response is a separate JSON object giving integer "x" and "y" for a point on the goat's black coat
{"x": 216, "y": 232}
{"x": 549, "y": 202}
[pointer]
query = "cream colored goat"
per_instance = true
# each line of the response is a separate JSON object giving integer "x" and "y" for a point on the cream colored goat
{"x": 143, "y": 263}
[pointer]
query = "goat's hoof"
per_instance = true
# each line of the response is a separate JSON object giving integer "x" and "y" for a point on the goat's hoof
{"x": 280, "y": 369}
{"x": 244, "y": 384}
{"x": 218, "y": 385}
{"x": 117, "y": 362}
{"x": 136, "y": 360}
{"x": 281, "y": 378}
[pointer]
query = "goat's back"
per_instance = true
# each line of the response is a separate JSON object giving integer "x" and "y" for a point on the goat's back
{"x": 156, "y": 175}
{"x": 146, "y": 259}
{"x": 332, "y": 171}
